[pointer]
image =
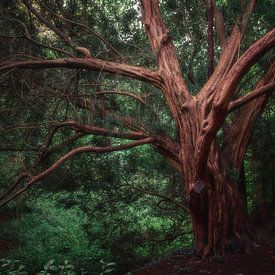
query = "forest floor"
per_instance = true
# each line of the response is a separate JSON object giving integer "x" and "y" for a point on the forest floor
{"x": 262, "y": 261}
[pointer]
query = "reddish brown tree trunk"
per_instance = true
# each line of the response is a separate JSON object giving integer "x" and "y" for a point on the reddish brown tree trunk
{"x": 218, "y": 211}
{"x": 216, "y": 200}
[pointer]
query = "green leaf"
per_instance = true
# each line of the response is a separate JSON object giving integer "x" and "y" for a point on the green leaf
{"x": 21, "y": 267}
{"x": 111, "y": 264}
{"x": 108, "y": 270}
{"x": 53, "y": 268}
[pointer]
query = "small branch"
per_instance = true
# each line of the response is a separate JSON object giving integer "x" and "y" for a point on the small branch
{"x": 27, "y": 36}
{"x": 136, "y": 97}
{"x": 152, "y": 193}
{"x": 19, "y": 180}
{"x": 17, "y": 149}
{"x": 99, "y": 36}
{"x": 46, "y": 151}
{"x": 249, "y": 97}
{"x": 42, "y": 19}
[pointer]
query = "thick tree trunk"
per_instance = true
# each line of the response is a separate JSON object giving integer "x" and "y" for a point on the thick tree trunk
{"x": 218, "y": 210}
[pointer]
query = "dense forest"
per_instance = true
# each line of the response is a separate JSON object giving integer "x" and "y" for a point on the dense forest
{"x": 131, "y": 130}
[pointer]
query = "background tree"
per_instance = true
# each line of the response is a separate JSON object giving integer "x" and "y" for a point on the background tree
{"x": 212, "y": 123}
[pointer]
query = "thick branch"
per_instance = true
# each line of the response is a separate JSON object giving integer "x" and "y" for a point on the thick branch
{"x": 161, "y": 44}
{"x": 93, "y": 64}
{"x": 225, "y": 63}
{"x": 210, "y": 37}
{"x": 245, "y": 17}
{"x": 220, "y": 28}
{"x": 237, "y": 137}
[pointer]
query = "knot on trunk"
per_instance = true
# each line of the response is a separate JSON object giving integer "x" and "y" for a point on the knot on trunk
{"x": 199, "y": 186}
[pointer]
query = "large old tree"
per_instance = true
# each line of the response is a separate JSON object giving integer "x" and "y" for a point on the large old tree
{"x": 213, "y": 124}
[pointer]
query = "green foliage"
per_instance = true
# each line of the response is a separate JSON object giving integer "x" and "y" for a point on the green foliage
{"x": 50, "y": 232}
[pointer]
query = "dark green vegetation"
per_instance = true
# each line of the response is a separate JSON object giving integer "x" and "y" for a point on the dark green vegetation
{"x": 124, "y": 207}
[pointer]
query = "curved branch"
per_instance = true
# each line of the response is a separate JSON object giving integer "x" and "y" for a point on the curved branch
{"x": 46, "y": 151}
{"x": 170, "y": 150}
{"x": 93, "y": 64}
{"x": 70, "y": 155}
{"x": 249, "y": 97}
{"x": 134, "y": 96}
{"x": 226, "y": 61}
